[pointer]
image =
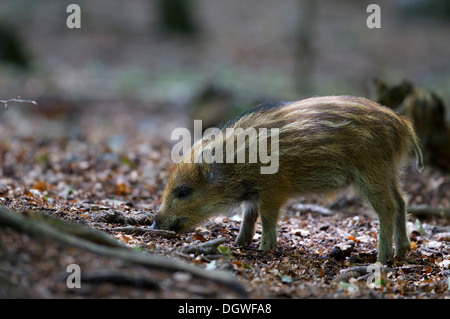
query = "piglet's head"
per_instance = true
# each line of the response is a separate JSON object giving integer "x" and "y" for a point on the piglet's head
{"x": 191, "y": 195}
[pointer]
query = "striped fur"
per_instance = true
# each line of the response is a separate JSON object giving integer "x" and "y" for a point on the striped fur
{"x": 325, "y": 143}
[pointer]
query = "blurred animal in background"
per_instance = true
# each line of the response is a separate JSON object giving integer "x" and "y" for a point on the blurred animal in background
{"x": 426, "y": 111}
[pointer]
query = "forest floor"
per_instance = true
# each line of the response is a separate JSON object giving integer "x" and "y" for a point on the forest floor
{"x": 106, "y": 166}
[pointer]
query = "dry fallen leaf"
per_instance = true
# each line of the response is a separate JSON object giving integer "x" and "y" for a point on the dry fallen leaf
{"x": 200, "y": 237}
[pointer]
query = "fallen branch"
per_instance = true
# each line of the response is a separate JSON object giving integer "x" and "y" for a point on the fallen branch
{"x": 417, "y": 210}
{"x": 425, "y": 210}
{"x": 44, "y": 229}
{"x": 17, "y": 100}
{"x": 312, "y": 208}
{"x": 116, "y": 217}
{"x": 77, "y": 230}
{"x": 360, "y": 272}
{"x": 145, "y": 230}
{"x": 206, "y": 248}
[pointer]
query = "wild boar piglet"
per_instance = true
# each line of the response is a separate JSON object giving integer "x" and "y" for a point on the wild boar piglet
{"x": 319, "y": 145}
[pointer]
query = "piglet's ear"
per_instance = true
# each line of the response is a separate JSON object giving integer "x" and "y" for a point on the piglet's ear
{"x": 216, "y": 172}
{"x": 212, "y": 172}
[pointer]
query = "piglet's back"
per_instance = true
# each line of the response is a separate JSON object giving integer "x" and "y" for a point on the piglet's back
{"x": 343, "y": 126}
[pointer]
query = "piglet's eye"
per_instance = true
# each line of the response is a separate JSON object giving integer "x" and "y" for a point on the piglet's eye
{"x": 182, "y": 191}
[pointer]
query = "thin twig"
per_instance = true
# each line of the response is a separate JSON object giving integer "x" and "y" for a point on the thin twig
{"x": 18, "y": 99}
{"x": 207, "y": 248}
